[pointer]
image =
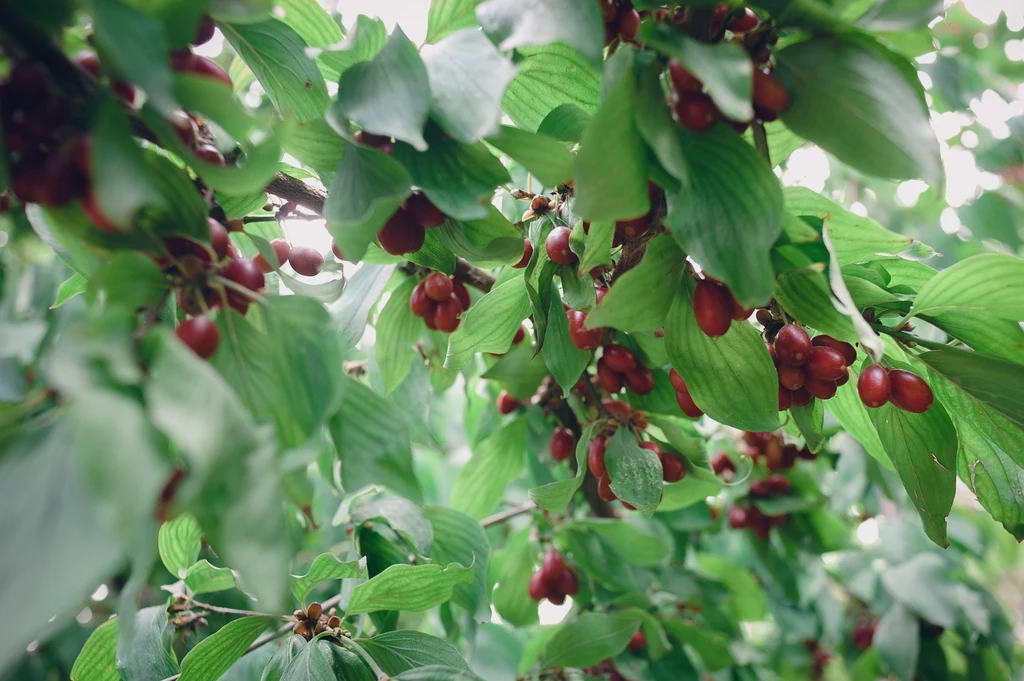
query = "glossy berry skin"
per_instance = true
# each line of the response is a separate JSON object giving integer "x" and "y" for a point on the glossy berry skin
{"x": 419, "y": 303}
{"x": 553, "y": 563}
{"x": 672, "y": 468}
{"x": 200, "y": 334}
{"x": 620, "y": 359}
{"x": 336, "y": 250}
{"x": 721, "y": 463}
{"x": 506, "y": 403}
{"x": 633, "y": 228}
{"x": 567, "y": 583}
{"x": 244, "y": 272}
{"x": 743, "y": 22}
{"x": 640, "y": 381}
{"x": 595, "y": 456}
{"x": 712, "y": 306}
{"x": 527, "y": 254}
{"x": 738, "y": 517}
{"x": 519, "y": 337}
{"x": 687, "y": 405}
{"x": 791, "y": 378}
{"x": 557, "y": 246}
{"x": 282, "y": 249}
{"x": 695, "y": 111}
{"x": 604, "y": 489}
{"x": 221, "y": 242}
{"x": 909, "y": 392}
{"x": 677, "y": 381}
{"x": 628, "y": 21}
{"x": 651, "y": 447}
{"x": 538, "y": 586}
{"x": 800, "y": 398}
{"x": 636, "y": 643}
{"x": 401, "y": 234}
{"x": 563, "y": 444}
{"x": 582, "y": 337}
{"x": 682, "y": 79}
{"x": 874, "y": 386}
{"x": 770, "y": 96}
{"x": 785, "y": 398}
{"x": 446, "y": 314}
{"x": 306, "y": 261}
{"x": 462, "y": 293}
{"x": 792, "y": 345}
{"x": 438, "y": 287}
{"x": 826, "y": 364}
{"x": 609, "y": 379}
{"x": 423, "y": 211}
{"x": 848, "y": 352}
{"x": 203, "y": 66}
{"x": 823, "y": 390}
{"x": 608, "y": 10}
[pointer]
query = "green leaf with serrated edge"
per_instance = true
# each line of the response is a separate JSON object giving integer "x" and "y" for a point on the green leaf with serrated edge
{"x": 458, "y": 178}
{"x": 179, "y": 541}
{"x": 898, "y": 641}
{"x": 203, "y": 578}
{"x": 725, "y": 67}
{"x": 545, "y": 157}
{"x": 468, "y": 77}
{"x": 512, "y": 567}
{"x": 325, "y": 568}
{"x": 712, "y": 647}
{"x": 490, "y": 325}
{"x": 495, "y": 463}
{"x": 412, "y": 588}
{"x": 97, "y": 661}
{"x": 611, "y": 165}
{"x": 809, "y": 420}
{"x": 566, "y": 122}
{"x": 644, "y": 543}
{"x": 991, "y": 284}
{"x": 276, "y": 54}
{"x": 397, "y": 331}
{"x": 565, "y": 361}
{"x": 805, "y": 296}
{"x": 388, "y": 95}
{"x": 731, "y": 214}
{"x": 361, "y": 293}
{"x": 447, "y": 16}
{"x": 655, "y": 124}
{"x": 635, "y": 472}
{"x": 437, "y": 673}
{"x": 589, "y": 638}
{"x": 403, "y": 516}
{"x": 991, "y": 381}
{"x": 655, "y": 280}
{"x": 530, "y": 97}
{"x": 399, "y": 651}
{"x": 849, "y": 98}
{"x": 923, "y": 449}
{"x": 487, "y": 242}
{"x": 555, "y": 496}
{"x": 146, "y": 650}
{"x": 731, "y": 378}
{"x": 460, "y": 539}
{"x": 559, "y": 21}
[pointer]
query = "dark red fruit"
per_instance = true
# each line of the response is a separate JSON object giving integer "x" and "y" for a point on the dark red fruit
{"x": 306, "y": 261}
{"x": 863, "y": 635}
{"x": 200, "y": 334}
{"x": 538, "y": 586}
{"x": 563, "y": 444}
{"x": 124, "y": 91}
{"x": 600, "y": 292}
{"x": 843, "y": 380}
{"x": 628, "y": 21}
{"x": 207, "y": 153}
{"x": 760, "y": 488}
{"x": 780, "y": 484}
{"x": 791, "y": 378}
{"x": 95, "y": 214}
{"x": 336, "y": 250}
{"x": 519, "y": 337}
{"x": 462, "y": 293}
{"x": 632, "y": 228}
{"x": 910, "y": 392}
{"x": 527, "y": 254}
{"x": 203, "y": 66}
{"x": 640, "y": 381}
{"x": 553, "y": 563}
{"x": 619, "y": 358}
{"x": 595, "y": 456}
{"x": 609, "y": 379}
{"x": 636, "y": 643}
{"x": 446, "y": 314}
{"x": 792, "y": 344}
{"x": 785, "y": 398}
{"x": 401, "y": 234}
{"x": 567, "y": 583}
{"x": 370, "y": 140}
{"x": 246, "y": 273}
{"x": 848, "y": 352}
{"x": 184, "y": 127}
{"x": 423, "y": 211}
{"x": 506, "y": 403}
{"x": 672, "y": 468}
{"x": 90, "y": 63}
{"x": 438, "y": 287}
{"x": 744, "y": 22}
{"x": 721, "y": 463}
{"x": 738, "y": 517}
{"x": 557, "y": 246}
{"x": 695, "y": 111}
{"x": 800, "y": 398}
{"x": 220, "y": 241}
{"x": 582, "y": 337}
{"x": 682, "y": 79}
{"x": 687, "y": 405}
{"x": 874, "y": 386}
{"x": 770, "y": 96}
{"x": 676, "y": 380}
{"x": 205, "y": 30}
{"x": 771, "y": 353}
{"x": 651, "y": 447}
{"x": 712, "y": 306}
{"x": 826, "y": 364}
{"x": 282, "y": 249}
{"x": 617, "y": 408}
{"x": 608, "y": 10}
{"x": 419, "y": 303}
{"x": 823, "y": 390}
{"x": 604, "y": 488}
{"x": 556, "y": 597}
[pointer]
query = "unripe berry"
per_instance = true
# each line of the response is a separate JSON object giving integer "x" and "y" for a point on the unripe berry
{"x": 620, "y": 358}
{"x": 823, "y": 390}
{"x": 792, "y": 345}
{"x": 712, "y": 306}
{"x": 527, "y": 254}
{"x": 557, "y": 246}
{"x": 446, "y": 314}
{"x": 401, "y": 234}
{"x": 695, "y": 111}
{"x": 306, "y": 261}
{"x": 563, "y": 444}
{"x": 582, "y": 337}
{"x": 438, "y": 287}
{"x": 506, "y": 403}
{"x": 791, "y": 377}
{"x": 682, "y": 79}
{"x": 609, "y": 379}
{"x": 672, "y": 468}
{"x": 595, "y": 456}
{"x": 200, "y": 334}
{"x": 874, "y": 386}
{"x": 848, "y": 352}
{"x": 826, "y": 364}
{"x": 425, "y": 213}
{"x": 909, "y": 392}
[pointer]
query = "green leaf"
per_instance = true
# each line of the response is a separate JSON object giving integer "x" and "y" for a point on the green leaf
{"x": 390, "y": 94}
{"x": 991, "y": 284}
{"x": 855, "y": 418}
{"x": 712, "y": 647}
{"x": 566, "y": 122}
{"x": 731, "y": 378}
{"x": 97, "y": 661}
{"x": 130, "y": 279}
{"x": 315, "y": 144}
{"x": 565, "y": 361}
{"x": 514, "y": 565}
{"x": 148, "y": 652}
{"x": 589, "y": 638}
{"x": 852, "y": 100}
{"x": 599, "y": 245}
{"x": 69, "y": 288}
{"x": 447, "y": 16}
{"x": 809, "y": 420}
{"x": 361, "y": 294}
{"x": 412, "y": 588}
{"x": 635, "y": 472}
{"x": 397, "y": 331}
{"x": 487, "y": 242}
{"x": 495, "y": 463}
{"x": 215, "y": 654}
{"x": 519, "y": 371}
{"x": 203, "y": 578}
{"x": 923, "y": 585}
{"x": 1001, "y": 337}
{"x": 547, "y": 158}
{"x": 460, "y": 539}
{"x": 325, "y": 568}
{"x": 400, "y": 651}
{"x": 807, "y": 297}
{"x": 724, "y": 67}
{"x": 323, "y": 660}
{"x": 575, "y": 24}
{"x": 530, "y": 98}
{"x": 468, "y": 77}
{"x": 641, "y": 542}
{"x": 611, "y": 165}
{"x": 897, "y": 641}
{"x": 437, "y": 673}
{"x": 403, "y": 516}
{"x": 992, "y": 381}
{"x": 655, "y": 280}
{"x": 179, "y": 542}
{"x": 782, "y": 141}
{"x": 277, "y": 56}
{"x": 900, "y": 15}
{"x": 490, "y": 324}
{"x": 748, "y": 602}
{"x": 732, "y": 213}
{"x": 659, "y": 130}
{"x": 555, "y": 496}
{"x": 923, "y": 449}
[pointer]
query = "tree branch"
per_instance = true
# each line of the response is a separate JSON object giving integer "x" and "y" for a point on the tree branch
{"x": 301, "y": 193}
{"x": 501, "y": 517}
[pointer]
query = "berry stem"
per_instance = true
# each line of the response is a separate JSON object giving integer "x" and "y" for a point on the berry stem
{"x": 906, "y": 337}
{"x": 761, "y": 141}
{"x": 508, "y": 513}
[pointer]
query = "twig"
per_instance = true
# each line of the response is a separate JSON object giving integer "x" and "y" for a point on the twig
{"x": 501, "y": 517}
{"x": 278, "y": 217}
{"x": 474, "y": 276}
{"x": 761, "y": 141}
{"x": 232, "y": 611}
{"x": 908, "y": 338}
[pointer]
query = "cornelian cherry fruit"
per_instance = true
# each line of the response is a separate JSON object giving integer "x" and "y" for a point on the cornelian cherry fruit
{"x": 306, "y": 261}
{"x": 557, "y": 246}
{"x": 874, "y": 386}
{"x": 826, "y": 364}
{"x": 563, "y": 444}
{"x": 620, "y": 358}
{"x": 909, "y": 392}
{"x": 506, "y": 403}
{"x": 438, "y": 287}
{"x": 527, "y": 254}
{"x": 712, "y": 306}
{"x": 792, "y": 345}
{"x": 200, "y": 334}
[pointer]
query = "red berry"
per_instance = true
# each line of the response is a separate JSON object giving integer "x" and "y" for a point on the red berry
{"x": 600, "y": 292}
{"x": 538, "y": 586}
{"x": 792, "y": 345}
{"x": 822, "y": 389}
{"x": 519, "y": 337}
{"x": 800, "y": 398}
{"x": 843, "y": 380}
{"x": 640, "y": 381}
{"x": 848, "y": 352}
{"x": 617, "y": 408}
{"x": 200, "y": 334}
{"x": 207, "y": 153}
{"x": 780, "y": 484}
{"x": 672, "y": 468}
{"x": 553, "y": 563}
{"x": 246, "y": 273}
{"x": 401, "y": 234}
{"x": 527, "y": 254}
{"x": 604, "y": 489}
{"x": 874, "y": 386}
{"x": 609, "y": 379}
{"x": 90, "y": 63}
{"x": 676, "y": 380}
{"x": 632, "y": 228}
{"x": 306, "y": 261}
{"x": 282, "y": 249}
{"x": 371, "y": 140}
{"x": 506, "y": 403}
{"x": 608, "y": 10}
{"x": 695, "y": 111}
{"x": 582, "y": 337}
{"x": 738, "y": 517}
{"x": 220, "y": 241}
{"x": 771, "y": 353}
{"x": 462, "y": 293}
{"x": 760, "y": 488}
{"x": 909, "y": 392}
{"x": 423, "y": 211}
{"x": 336, "y": 250}
{"x": 95, "y": 214}
{"x": 419, "y": 303}
{"x": 721, "y": 463}
{"x": 770, "y": 96}
{"x": 124, "y": 91}
{"x": 743, "y": 22}
{"x": 595, "y": 456}
{"x": 205, "y": 30}
{"x": 651, "y": 447}
{"x": 446, "y": 314}
{"x": 628, "y": 21}
{"x": 438, "y": 287}
{"x": 637, "y": 642}
{"x": 687, "y": 404}
{"x": 563, "y": 444}
{"x": 863, "y": 635}
{"x": 785, "y": 398}
{"x": 557, "y": 246}
{"x": 202, "y": 66}
{"x": 555, "y": 596}
{"x": 620, "y": 358}
{"x": 824, "y": 363}
{"x": 682, "y": 79}
{"x": 791, "y": 377}
{"x": 712, "y": 306}
{"x": 567, "y": 582}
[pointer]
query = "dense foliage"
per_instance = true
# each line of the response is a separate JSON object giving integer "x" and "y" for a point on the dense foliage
{"x": 573, "y": 355}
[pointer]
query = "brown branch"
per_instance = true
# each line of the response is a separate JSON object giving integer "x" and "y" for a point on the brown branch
{"x": 474, "y": 276}
{"x": 301, "y": 193}
{"x": 501, "y": 517}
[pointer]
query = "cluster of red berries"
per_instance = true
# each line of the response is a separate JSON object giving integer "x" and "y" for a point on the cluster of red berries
{"x": 554, "y": 580}
{"x": 774, "y": 485}
{"x": 405, "y": 231}
{"x": 633, "y": 228}
{"x": 619, "y": 365}
{"x": 715, "y": 307}
{"x": 620, "y": 21}
{"x": 752, "y": 517}
{"x": 305, "y": 261}
{"x": 580, "y": 336}
{"x": 809, "y": 368}
{"x": 695, "y": 110}
{"x": 605, "y": 669}
{"x": 777, "y": 454}
{"x": 683, "y": 399}
{"x": 563, "y": 444}
{"x": 909, "y": 392}
{"x": 440, "y": 300}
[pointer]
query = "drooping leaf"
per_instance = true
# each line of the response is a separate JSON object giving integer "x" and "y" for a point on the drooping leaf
{"x": 590, "y": 638}
{"x": 215, "y": 654}
{"x": 991, "y": 284}
{"x": 148, "y": 652}
{"x": 361, "y": 293}
{"x": 486, "y": 242}
{"x": 460, "y": 539}
{"x": 992, "y": 381}
{"x": 574, "y": 24}
{"x": 565, "y": 361}
{"x": 397, "y": 330}
{"x": 203, "y": 578}
{"x": 490, "y": 324}
{"x": 325, "y": 568}
{"x": 635, "y": 472}
{"x": 97, "y": 661}
{"x": 495, "y": 463}
{"x": 413, "y": 588}
{"x": 399, "y": 651}
{"x": 807, "y": 298}
{"x": 566, "y": 122}
{"x": 530, "y": 96}
{"x": 403, "y": 516}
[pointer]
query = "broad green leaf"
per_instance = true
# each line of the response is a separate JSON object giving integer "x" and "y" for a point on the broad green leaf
{"x": 325, "y": 568}
{"x": 991, "y": 284}
{"x": 437, "y": 673}
{"x": 992, "y": 381}
{"x": 635, "y": 472}
{"x": 69, "y": 288}
{"x": 712, "y": 647}
{"x": 323, "y": 660}
{"x": 514, "y": 566}
{"x": 460, "y": 539}
{"x": 435, "y": 253}
{"x": 97, "y": 661}
{"x": 130, "y": 279}
{"x": 853, "y": 101}
{"x": 566, "y": 122}
{"x": 147, "y": 651}
{"x": 399, "y": 651}
{"x": 361, "y": 294}
{"x": 468, "y": 77}
{"x": 731, "y": 214}
{"x": 731, "y": 378}
{"x": 782, "y": 141}
{"x": 589, "y": 638}
{"x": 365, "y": 39}
{"x": 898, "y": 641}
{"x": 216, "y": 653}
{"x": 390, "y": 94}
{"x": 447, "y": 16}
{"x": 687, "y": 492}
{"x": 599, "y": 245}
{"x": 655, "y": 280}
{"x": 656, "y": 125}
{"x": 1000, "y": 337}
{"x": 413, "y": 588}
{"x": 490, "y": 324}
{"x": 273, "y": 669}
{"x": 545, "y": 157}
{"x": 276, "y": 53}
{"x": 923, "y": 585}
{"x": 565, "y": 361}
{"x": 641, "y": 542}
{"x": 397, "y": 331}
{"x": 809, "y": 420}
{"x": 317, "y": 145}
{"x": 806, "y": 297}
{"x": 487, "y": 242}
{"x": 575, "y": 24}
{"x": 530, "y": 97}
{"x": 900, "y": 15}
{"x": 203, "y": 578}
{"x": 923, "y": 449}
{"x": 748, "y": 602}
{"x": 855, "y": 418}
{"x": 403, "y": 516}
{"x": 495, "y": 463}
{"x": 519, "y": 371}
